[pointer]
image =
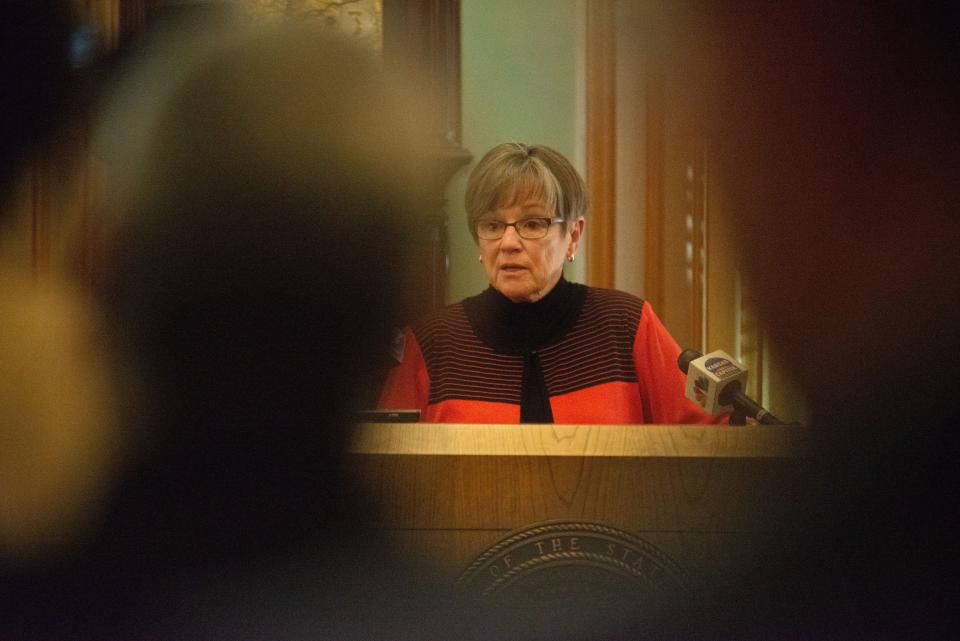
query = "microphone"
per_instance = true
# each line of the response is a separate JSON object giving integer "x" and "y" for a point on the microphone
{"x": 716, "y": 381}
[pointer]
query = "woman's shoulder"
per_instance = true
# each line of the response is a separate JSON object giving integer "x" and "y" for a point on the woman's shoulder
{"x": 609, "y": 317}
{"x": 613, "y": 299}
{"x": 447, "y": 318}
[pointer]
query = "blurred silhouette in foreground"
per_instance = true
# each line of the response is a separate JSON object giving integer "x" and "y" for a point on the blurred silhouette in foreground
{"x": 57, "y": 426}
{"x": 836, "y": 132}
{"x": 250, "y": 270}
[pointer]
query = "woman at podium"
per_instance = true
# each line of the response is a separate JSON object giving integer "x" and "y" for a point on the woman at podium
{"x": 534, "y": 347}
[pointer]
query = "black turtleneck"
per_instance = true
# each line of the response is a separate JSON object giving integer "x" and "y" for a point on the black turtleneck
{"x": 524, "y": 328}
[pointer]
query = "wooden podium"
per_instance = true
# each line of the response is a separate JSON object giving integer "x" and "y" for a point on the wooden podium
{"x": 664, "y": 507}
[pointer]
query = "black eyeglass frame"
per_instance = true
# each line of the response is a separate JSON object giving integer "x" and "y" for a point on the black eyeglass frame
{"x": 517, "y": 227}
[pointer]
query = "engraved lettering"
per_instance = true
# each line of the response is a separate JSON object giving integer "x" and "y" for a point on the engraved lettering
{"x": 613, "y": 551}
{"x": 646, "y": 567}
{"x": 655, "y": 572}
{"x": 639, "y": 563}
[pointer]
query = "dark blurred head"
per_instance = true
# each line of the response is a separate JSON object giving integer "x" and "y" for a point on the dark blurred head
{"x": 252, "y": 281}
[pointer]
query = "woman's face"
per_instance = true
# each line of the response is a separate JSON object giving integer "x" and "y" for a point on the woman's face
{"x": 525, "y": 270}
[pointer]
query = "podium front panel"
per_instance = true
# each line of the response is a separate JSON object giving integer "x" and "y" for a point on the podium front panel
{"x": 698, "y": 501}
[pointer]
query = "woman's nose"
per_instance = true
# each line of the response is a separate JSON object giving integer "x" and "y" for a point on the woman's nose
{"x": 511, "y": 239}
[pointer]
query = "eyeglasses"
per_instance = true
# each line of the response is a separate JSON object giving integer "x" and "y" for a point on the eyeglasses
{"x": 529, "y": 228}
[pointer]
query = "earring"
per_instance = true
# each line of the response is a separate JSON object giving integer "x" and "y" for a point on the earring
{"x": 570, "y": 258}
{"x": 480, "y": 258}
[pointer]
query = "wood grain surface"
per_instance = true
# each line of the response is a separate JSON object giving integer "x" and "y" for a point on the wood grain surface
{"x": 646, "y": 441}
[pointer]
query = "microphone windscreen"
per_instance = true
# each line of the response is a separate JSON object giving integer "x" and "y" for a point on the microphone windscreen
{"x": 709, "y": 376}
{"x": 686, "y": 356}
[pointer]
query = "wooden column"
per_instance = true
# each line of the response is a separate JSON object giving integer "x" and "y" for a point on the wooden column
{"x": 421, "y": 41}
{"x": 601, "y": 141}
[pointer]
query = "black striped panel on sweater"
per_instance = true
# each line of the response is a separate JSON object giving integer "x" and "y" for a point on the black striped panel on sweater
{"x": 461, "y": 366}
{"x": 598, "y": 349}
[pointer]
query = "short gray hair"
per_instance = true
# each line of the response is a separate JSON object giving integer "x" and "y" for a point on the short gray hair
{"x": 513, "y": 172}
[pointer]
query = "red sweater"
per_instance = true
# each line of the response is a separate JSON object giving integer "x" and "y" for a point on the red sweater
{"x": 616, "y": 364}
